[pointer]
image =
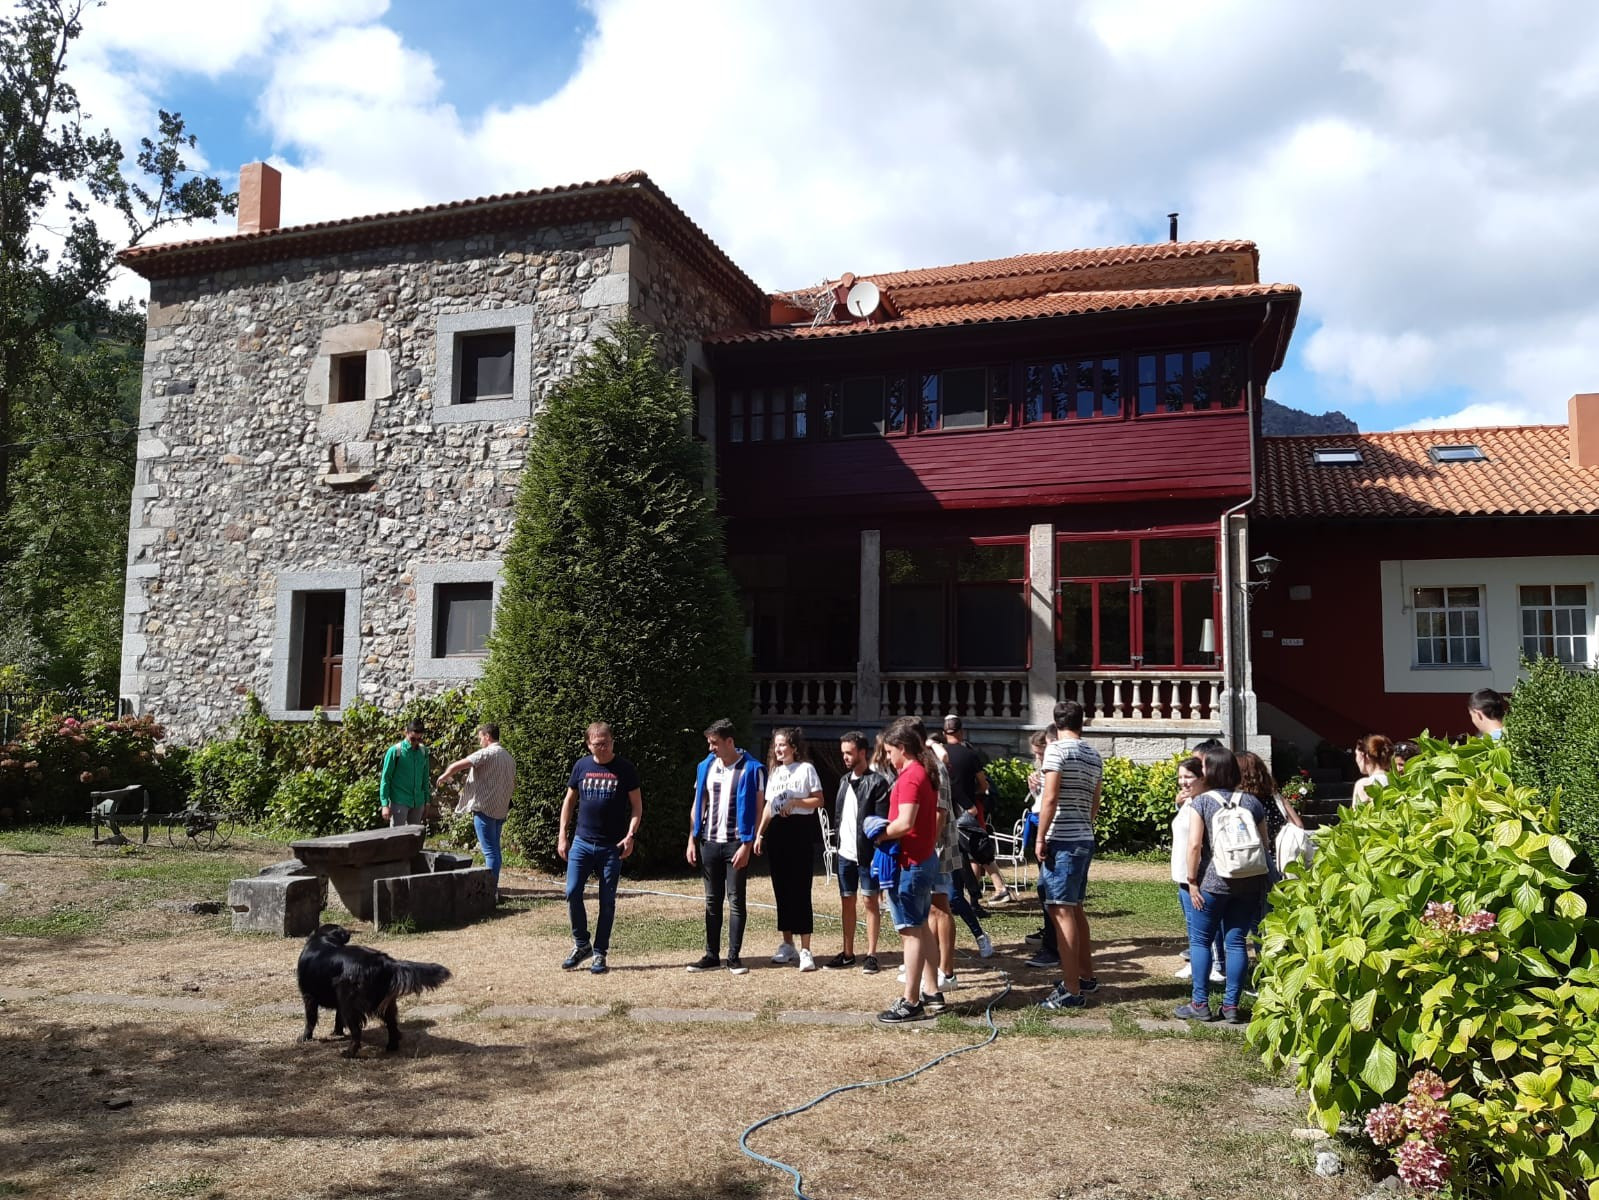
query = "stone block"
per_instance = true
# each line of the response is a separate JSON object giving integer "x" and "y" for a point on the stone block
{"x": 351, "y": 339}
{"x": 287, "y": 905}
{"x": 433, "y": 899}
{"x": 396, "y": 844}
{"x": 605, "y": 291}
{"x": 352, "y": 886}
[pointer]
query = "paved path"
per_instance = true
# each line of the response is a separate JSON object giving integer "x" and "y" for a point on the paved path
{"x": 449, "y": 1013}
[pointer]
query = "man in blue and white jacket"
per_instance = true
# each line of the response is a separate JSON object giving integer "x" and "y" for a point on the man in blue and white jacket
{"x": 729, "y": 789}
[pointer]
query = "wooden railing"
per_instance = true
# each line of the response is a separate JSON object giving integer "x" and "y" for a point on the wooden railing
{"x": 1192, "y": 698}
{"x": 804, "y": 695}
{"x": 973, "y": 694}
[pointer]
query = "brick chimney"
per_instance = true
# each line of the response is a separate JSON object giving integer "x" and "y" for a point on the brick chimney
{"x": 1582, "y": 429}
{"x": 260, "y": 197}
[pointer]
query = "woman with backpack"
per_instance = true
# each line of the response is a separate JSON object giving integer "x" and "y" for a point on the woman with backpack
{"x": 1228, "y": 872}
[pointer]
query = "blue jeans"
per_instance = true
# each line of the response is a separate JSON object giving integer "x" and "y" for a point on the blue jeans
{"x": 582, "y": 860}
{"x": 1217, "y": 950}
{"x": 488, "y": 841}
{"x": 1234, "y": 916}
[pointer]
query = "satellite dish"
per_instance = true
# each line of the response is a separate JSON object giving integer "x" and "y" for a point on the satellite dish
{"x": 864, "y": 299}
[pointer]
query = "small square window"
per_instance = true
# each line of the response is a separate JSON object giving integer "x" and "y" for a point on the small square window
{"x": 1449, "y": 626}
{"x": 348, "y": 380}
{"x": 462, "y": 614}
{"x": 488, "y": 366}
{"x": 1337, "y": 456}
{"x": 1456, "y": 454}
{"x": 1555, "y": 622}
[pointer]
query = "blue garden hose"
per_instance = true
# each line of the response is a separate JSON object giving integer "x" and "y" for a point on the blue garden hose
{"x": 743, "y": 1138}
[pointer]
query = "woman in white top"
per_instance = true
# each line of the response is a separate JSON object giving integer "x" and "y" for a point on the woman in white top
{"x": 1374, "y": 758}
{"x": 788, "y": 832}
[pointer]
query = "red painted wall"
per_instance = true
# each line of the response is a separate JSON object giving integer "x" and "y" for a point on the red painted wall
{"x": 1180, "y": 455}
{"x": 1334, "y": 682}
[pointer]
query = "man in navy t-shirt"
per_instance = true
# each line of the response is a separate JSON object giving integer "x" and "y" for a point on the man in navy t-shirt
{"x": 604, "y": 789}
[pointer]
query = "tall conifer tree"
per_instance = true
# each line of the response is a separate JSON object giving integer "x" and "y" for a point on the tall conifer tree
{"x": 617, "y": 604}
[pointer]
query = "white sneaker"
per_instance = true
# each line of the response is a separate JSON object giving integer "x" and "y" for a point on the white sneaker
{"x": 786, "y": 953}
{"x": 947, "y": 983}
{"x": 807, "y": 961}
{"x": 985, "y": 946}
{"x": 1217, "y": 976}
{"x": 1186, "y": 971}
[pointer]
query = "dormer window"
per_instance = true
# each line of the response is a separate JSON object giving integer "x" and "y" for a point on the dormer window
{"x": 1456, "y": 454}
{"x": 1338, "y": 456}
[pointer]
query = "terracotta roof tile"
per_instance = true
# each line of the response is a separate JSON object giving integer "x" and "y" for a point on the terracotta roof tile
{"x": 1019, "y": 265}
{"x": 1527, "y": 471}
{"x": 1053, "y": 304}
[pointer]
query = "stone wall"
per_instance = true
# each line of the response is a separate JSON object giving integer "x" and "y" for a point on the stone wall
{"x": 249, "y": 476}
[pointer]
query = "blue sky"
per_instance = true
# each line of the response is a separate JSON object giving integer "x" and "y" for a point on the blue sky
{"x": 1423, "y": 171}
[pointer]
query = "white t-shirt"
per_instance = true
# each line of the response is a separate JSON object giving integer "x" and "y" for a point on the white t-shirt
{"x": 1377, "y": 779}
{"x": 1180, "y": 835}
{"x": 720, "y": 824}
{"x": 849, "y": 825}
{"x": 788, "y": 782}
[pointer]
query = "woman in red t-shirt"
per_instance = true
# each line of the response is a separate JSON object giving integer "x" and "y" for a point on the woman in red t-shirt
{"x": 913, "y": 823}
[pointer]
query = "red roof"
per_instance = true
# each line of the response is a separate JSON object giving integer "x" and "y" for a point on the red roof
{"x": 1052, "y": 304}
{"x": 1526, "y": 470}
{"x": 1019, "y": 266}
{"x": 631, "y": 194}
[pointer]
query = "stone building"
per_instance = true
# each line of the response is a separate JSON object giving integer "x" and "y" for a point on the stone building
{"x": 333, "y": 419}
{"x": 975, "y": 489}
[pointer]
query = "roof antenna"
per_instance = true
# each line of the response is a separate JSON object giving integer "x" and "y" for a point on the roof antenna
{"x": 1172, "y": 217}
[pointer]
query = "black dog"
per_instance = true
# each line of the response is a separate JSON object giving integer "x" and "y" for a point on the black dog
{"x": 356, "y": 983}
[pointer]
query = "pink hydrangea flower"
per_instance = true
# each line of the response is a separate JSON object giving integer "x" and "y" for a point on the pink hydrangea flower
{"x": 1480, "y": 922}
{"x": 1422, "y": 1166}
{"x": 1385, "y": 1124}
{"x": 1429, "y": 1084}
{"x": 1425, "y": 1117}
{"x": 1439, "y": 916}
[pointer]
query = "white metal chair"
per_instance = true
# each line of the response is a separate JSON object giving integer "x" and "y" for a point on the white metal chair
{"x": 1011, "y": 849}
{"x": 829, "y": 843}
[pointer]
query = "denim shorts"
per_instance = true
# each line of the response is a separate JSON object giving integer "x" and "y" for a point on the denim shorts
{"x": 945, "y": 886}
{"x": 853, "y": 877}
{"x": 912, "y": 897}
{"x": 1063, "y": 877}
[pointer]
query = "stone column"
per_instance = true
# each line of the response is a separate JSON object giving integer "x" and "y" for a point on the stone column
{"x": 869, "y": 666}
{"x": 1041, "y": 611}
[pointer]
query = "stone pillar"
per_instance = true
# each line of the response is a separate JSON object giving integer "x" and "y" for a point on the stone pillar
{"x": 869, "y": 666}
{"x": 1041, "y": 610}
{"x": 1238, "y": 704}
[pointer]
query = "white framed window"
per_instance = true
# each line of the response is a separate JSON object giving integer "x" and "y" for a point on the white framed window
{"x": 1449, "y": 626}
{"x": 455, "y": 605}
{"x": 1555, "y": 621}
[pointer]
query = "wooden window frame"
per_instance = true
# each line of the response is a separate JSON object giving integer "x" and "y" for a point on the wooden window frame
{"x": 1135, "y": 580}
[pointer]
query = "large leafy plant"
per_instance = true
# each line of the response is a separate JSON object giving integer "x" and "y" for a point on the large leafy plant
{"x": 1446, "y": 927}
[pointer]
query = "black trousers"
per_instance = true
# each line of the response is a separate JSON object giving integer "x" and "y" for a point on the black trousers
{"x": 722, "y": 880}
{"x": 791, "y": 851}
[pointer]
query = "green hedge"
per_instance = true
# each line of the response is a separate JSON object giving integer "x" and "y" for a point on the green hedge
{"x": 1553, "y": 734}
{"x": 59, "y": 756}
{"x": 1136, "y": 801}
{"x": 1435, "y": 973}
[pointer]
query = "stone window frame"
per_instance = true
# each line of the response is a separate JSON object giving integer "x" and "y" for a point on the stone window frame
{"x": 428, "y": 577}
{"x": 286, "y": 586}
{"x": 451, "y": 328}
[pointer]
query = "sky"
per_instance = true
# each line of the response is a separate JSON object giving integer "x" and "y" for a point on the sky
{"x": 1424, "y": 171}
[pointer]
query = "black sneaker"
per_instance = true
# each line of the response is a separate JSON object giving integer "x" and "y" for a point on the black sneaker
{"x": 706, "y": 962}
{"x": 869, "y": 965}
{"x": 1087, "y": 985}
{"x": 735, "y": 966}
{"x": 579, "y": 954}
{"x": 933, "y": 1002}
{"x": 598, "y": 966}
{"x": 1037, "y": 939}
{"x": 902, "y": 1010}
{"x": 1044, "y": 960}
{"x": 839, "y": 962}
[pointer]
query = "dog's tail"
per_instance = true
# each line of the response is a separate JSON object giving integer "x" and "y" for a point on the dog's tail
{"x": 414, "y": 978}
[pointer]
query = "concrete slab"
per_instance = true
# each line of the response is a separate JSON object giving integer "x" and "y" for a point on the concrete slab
{"x": 17, "y": 994}
{"x": 286, "y": 905}
{"x": 279, "y": 1008}
{"x": 545, "y": 1012}
{"x": 429, "y": 900}
{"x": 690, "y": 1014}
{"x": 814, "y": 1017}
{"x": 360, "y": 849}
{"x": 434, "y": 1012}
{"x": 177, "y": 1004}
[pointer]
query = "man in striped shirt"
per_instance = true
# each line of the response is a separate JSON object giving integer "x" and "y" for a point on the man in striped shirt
{"x": 728, "y": 792}
{"x": 1073, "y": 771}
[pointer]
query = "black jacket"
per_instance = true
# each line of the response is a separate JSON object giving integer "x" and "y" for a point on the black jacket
{"x": 871, "y": 794}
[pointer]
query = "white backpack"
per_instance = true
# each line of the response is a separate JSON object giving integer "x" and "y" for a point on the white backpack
{"x": 1235, "y": 847}
{"x": 1293, "y": 843}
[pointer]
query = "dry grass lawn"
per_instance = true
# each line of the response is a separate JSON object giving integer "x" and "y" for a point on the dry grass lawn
{"x": 224, "y": 1103}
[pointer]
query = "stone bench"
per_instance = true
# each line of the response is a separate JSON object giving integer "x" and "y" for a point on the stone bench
{"x": 353, "y": 862}
{"x": 286, "y": 905}
{"x": 437, "y": 898}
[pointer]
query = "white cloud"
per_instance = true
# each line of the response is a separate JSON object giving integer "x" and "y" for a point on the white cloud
{"x": 1477, "y": 416}
{"x": 1423, "y": 171}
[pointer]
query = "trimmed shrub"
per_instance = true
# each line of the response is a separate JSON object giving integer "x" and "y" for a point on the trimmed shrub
{"x": 308, "y": 802}
{"x": 1135, "y": 807}
{"x": 231, "y": 775}
{"x": 1553, "y": 734}
{"x": 1445, "y": 928}
{"x": 1008, "y": 779}
{"x": 359, "y": 808}
{"x": 616, "y": 604}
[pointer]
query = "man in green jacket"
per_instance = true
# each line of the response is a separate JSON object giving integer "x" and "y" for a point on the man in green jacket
{"x": 405, "y": 784}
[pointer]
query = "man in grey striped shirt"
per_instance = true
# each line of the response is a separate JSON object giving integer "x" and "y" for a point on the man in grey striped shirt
{"x": 1073, "y": 771}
